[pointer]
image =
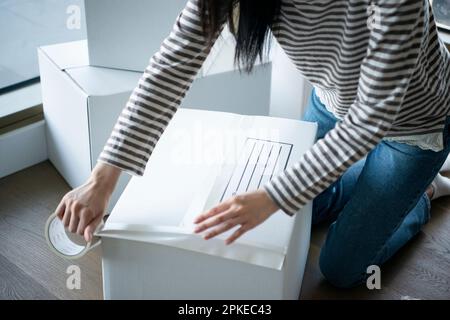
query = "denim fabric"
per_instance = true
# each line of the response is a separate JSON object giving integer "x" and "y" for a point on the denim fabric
{"x": 376, "y": 206}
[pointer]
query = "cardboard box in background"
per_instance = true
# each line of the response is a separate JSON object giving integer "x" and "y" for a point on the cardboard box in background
{"x": 231, "y": 91}
{"x": 125, "y": 34}
{"x": 147, "y": 249}
{"x": 221, "y": 86}
{"x": 129, "y": 33}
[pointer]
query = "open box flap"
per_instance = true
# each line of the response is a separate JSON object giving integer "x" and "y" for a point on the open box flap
{"x": 96, "y": 81}
{"x": 72, "y": 58}
{"x": 68, "y": 55}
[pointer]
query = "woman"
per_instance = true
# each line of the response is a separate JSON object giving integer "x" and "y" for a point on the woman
{"x": 381, "y": 100}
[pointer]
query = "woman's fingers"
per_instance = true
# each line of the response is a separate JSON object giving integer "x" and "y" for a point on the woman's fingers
{"x": 90, "y": 229}
{"x": 85, "y": 218}
{"x": 75, "y": 217}
{"x": 66, "y": 217}
{"x": 73, "y": 224}
{"x": 216, "y": 220}
{"x": 60, "y": 209}
{"x": 224, "y": 227}
{"x": 238, "y": 233}
{"x": 248, "y": 210}
{"x": 214, "y": 211}
{"x": 81, "y": 210}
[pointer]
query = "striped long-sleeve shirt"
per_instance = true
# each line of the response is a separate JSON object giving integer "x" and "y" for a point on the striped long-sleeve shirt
{"x": 378, "y": 66}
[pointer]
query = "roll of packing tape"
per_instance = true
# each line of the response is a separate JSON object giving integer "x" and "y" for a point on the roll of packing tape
{"x": 61, "y": 244}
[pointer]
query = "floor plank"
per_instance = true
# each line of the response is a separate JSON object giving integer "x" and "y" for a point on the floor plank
{"x": 16, "y": 284}
{"x": 27, "y": 199}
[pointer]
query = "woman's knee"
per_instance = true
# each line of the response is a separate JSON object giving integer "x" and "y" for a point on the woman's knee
{"x": 339, "y": 272}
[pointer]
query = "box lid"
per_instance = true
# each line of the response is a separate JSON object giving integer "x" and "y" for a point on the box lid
{"x": 68, "y": 55}
{"x": 97, "y": 81}
{"x": 198, "y": 161}
{"x": 72, "y": 58}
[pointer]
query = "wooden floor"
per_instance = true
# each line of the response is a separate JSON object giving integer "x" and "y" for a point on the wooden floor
{"x": 28, "y": 270}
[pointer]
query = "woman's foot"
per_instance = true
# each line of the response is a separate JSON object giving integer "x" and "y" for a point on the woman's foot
{"x": 440, "y": 187}
{"x": 446, "y": 166}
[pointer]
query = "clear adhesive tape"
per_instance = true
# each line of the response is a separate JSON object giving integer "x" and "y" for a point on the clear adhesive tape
{"x": 61, "y": 244}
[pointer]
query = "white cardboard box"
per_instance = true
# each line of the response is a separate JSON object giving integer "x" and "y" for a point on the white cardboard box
{"x": 220, "y": 86}
{"x": 290, "y": 91}
{"x": 148, "y": 248}
{"x": 81, "y": 106}
{"x": 231, "y": 91}
{"x": 125, "y": 34}
{"x": 135, "y": 30}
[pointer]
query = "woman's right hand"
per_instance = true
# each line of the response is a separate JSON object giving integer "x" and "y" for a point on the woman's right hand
{"x": 82, "y": 209}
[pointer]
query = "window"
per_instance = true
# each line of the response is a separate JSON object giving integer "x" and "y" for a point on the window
{"x": 27, "y": 24}
{"x": 441, "y": 9}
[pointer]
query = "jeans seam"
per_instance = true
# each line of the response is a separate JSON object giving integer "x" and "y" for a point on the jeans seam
{"x": 428, "y": 203}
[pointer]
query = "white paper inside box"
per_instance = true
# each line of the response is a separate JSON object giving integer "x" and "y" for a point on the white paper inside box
{"x": 149, "y": 249}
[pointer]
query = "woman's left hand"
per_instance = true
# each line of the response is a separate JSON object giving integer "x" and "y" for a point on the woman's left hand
{"x": 247, "y": 210}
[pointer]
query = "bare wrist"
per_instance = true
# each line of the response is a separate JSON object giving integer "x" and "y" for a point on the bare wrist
{"x": 105, "y": 176}
{"x": 271, "y": 206}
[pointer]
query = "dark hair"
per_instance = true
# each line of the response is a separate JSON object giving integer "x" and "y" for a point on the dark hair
{"x": 249, "y": 21}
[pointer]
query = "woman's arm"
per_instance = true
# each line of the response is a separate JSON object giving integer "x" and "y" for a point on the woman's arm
{"x": 148, "y": 112}
{"x": 394, "y": 46}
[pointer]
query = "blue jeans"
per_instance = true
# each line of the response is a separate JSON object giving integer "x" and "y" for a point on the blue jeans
{"x": 376, "y": 207}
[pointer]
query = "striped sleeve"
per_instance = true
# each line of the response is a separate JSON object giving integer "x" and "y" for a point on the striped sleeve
{"x": 158, "y": 94}
{"x": 392, "y": 54}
